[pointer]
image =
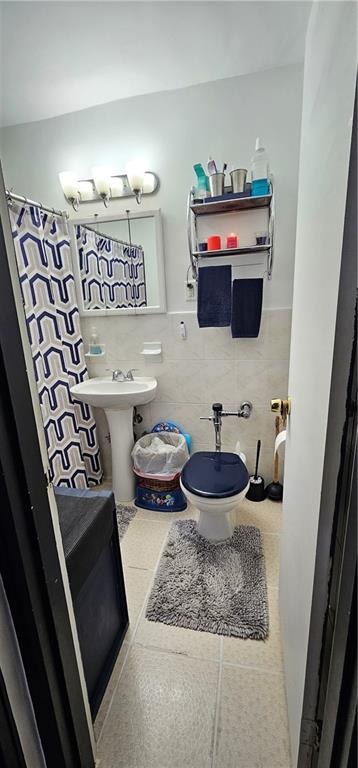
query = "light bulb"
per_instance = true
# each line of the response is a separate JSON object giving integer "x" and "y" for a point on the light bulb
{"x": 117, "y": 186}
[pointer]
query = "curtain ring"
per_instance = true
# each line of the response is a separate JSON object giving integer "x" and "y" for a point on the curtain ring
{"x": 51, "y": 217}
{"x": 9, "y": 198}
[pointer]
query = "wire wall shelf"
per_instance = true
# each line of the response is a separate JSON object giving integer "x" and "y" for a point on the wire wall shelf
{"x": 231, "y": 205}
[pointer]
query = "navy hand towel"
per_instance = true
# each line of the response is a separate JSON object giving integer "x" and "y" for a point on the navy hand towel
{"x": 246, "y": 308}
{"x": 214, "y": 296}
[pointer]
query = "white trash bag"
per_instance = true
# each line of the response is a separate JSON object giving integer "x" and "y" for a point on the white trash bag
{"x": 160, "y": 453}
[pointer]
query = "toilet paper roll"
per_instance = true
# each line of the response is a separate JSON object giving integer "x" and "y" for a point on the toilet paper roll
{"x": 240, "y": 453}
{"x": 280, "y": 444}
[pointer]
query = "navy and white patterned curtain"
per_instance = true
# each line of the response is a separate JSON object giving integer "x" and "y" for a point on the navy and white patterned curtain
{"x": 90, "y": 268}
{"x": 135, "y": 256}
{"x": 43, "y": 256}
{"x": 112, "y": 272}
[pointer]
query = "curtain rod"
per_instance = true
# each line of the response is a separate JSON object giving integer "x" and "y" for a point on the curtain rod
{"x": 27, "y": 201}
{"x": 108, "y": 237}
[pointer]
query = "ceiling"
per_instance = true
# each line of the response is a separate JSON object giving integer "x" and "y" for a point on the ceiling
{"x": 60, "y": 57}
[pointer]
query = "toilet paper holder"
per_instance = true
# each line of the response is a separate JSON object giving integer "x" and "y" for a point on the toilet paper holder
{"x": 282, "y": 407}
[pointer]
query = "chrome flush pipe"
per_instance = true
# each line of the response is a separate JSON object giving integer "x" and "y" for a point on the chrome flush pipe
{"x": 244, "y": 412}
{"x": 217, "y": 411}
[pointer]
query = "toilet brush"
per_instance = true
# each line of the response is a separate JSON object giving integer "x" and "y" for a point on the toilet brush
{"x": 256, "y": 490}
{"x": 274, "y": 490}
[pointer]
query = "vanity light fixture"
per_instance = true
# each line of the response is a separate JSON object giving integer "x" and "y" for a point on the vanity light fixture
{"x": 105, "y": 185}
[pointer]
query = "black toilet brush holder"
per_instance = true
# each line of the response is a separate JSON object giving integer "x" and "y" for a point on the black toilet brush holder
{"x": 256, "y": 490}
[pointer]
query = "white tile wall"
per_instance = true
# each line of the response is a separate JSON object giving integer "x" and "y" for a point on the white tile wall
{"x": 207, "y": 366}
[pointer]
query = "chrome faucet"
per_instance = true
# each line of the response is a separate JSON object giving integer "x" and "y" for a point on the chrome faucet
{"x": 118, "y": 375}
{"x": 244, "y": 412}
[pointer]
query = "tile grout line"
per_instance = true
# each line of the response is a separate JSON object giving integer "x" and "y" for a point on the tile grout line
{"x": 176, "y": 654}
{"x": 131, "y": 641}
{"x": 211, "y": 659}
{"x": 252, "y": 668}
{"x": 217, "y": 705}
{"x": 156, "y": 522}
{"x": 154, "y": 573}
{"x": 112, "y": 697}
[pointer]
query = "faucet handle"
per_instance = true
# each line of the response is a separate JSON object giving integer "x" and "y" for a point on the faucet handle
{"x": 129, "y": 374}
{"x": 205, "y": 418}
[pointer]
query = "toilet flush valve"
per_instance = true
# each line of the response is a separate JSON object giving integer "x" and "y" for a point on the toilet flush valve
{"x": 244, "y": 412}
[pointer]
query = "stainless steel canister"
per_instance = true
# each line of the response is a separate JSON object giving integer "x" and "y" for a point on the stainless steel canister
{"x": 238, "y": 179}
{"x": 216, "y": 182}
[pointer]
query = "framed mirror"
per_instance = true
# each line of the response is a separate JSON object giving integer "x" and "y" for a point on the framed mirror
{"x": 118, "y": 263}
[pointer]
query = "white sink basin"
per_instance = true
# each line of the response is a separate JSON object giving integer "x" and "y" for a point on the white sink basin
{"x": 106, "y": 393}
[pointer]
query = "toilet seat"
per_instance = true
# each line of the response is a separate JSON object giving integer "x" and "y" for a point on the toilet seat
{"x": 214, "y": 475}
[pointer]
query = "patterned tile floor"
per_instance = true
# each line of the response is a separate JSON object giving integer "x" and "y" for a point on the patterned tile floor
{"x": 184, "y": 699}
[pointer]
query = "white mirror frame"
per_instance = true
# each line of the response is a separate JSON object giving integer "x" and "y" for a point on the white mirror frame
{"x": 93, "y": 221}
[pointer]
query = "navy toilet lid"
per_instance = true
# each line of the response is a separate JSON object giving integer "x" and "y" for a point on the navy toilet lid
{"x": 215, "y": 475}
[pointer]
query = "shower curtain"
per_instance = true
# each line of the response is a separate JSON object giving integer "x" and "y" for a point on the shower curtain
{"x": 90, "y": 268}
{"x": 112, "y": 272}
{"x": 43, "y": 256}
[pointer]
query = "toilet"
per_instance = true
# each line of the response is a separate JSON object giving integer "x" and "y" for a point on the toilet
{"x": 215, "y": 483}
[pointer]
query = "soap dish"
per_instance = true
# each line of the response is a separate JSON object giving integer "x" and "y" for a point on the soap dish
{"x": 98, "y": 354}
{"x": 152, "y": 351}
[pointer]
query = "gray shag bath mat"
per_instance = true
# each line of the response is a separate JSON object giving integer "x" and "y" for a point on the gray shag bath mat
{"x": 219, "y": 588}
{"x": 124, "y": 516}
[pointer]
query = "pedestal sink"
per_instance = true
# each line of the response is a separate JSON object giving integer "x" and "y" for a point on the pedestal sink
{"x": 118, "y": 398}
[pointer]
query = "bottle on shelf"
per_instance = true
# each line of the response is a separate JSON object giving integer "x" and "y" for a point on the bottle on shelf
{"x": 259, "y": 171}
{"x": 94, "y": 345}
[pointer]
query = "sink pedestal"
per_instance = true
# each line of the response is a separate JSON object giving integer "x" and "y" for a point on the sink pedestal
{"x": 121, "y": 430}
{"x": 117, "y": 398}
